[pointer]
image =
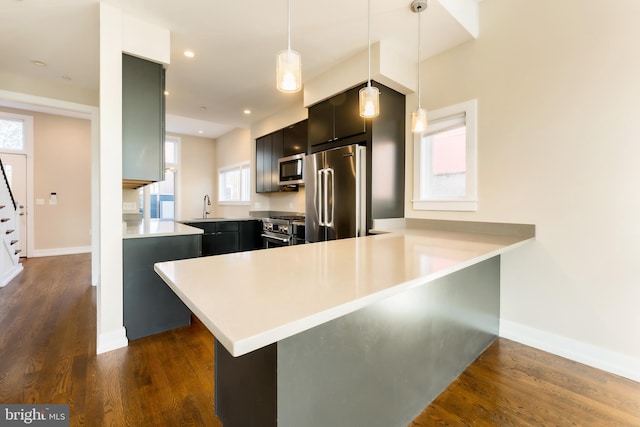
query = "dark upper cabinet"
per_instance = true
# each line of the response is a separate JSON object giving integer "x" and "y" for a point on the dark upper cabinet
{"x": 263, "y": 164}
{"x": 269, "y": 149}
{"x": 143, "y": 127}
{"x": 294, "y": 139}
{"x": 277, "y": 142}
{"x": 347, "y": 114}
{"x": 383, "y": 136}
{"x": 321, "y": 123}
{"x": 336, "y": 118}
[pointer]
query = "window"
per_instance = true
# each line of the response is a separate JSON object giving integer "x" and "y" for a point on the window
{"x": 15, "y": 131}
{"x": 12, "y": 134}
{"x": 162, "y": 194}
{"x": 445, "y": 160}
{"x": 234, "y": 184}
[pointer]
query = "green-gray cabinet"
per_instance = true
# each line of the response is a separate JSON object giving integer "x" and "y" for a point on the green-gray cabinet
{"x": 149, "y": 305}
{"x": 143, "y": 117}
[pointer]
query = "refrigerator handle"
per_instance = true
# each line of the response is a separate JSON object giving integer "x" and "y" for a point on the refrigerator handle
{"x": 321, "y": 197}
{"x": 329, "y": 200}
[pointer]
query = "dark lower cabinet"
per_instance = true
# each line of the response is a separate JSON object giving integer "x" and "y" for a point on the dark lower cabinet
{"x": 250, "y": 238}
{"x": 224, "y": 237}
{"x": 246, "y": 387}
{"x": 208, "y": 244}
{"x": 226, "y": 242}
{"x": 149, "y": 305}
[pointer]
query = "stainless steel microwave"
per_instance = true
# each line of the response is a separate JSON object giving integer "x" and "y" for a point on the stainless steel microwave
{"x": 291, "y": 170}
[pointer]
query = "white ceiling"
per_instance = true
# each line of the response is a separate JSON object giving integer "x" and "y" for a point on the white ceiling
{"x": 235, "y": 43}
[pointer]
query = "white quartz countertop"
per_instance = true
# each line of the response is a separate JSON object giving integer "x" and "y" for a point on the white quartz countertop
{"x": 249, "y": 300}
{"x": 219, "y": 219}
{"x": 157, "y": 228}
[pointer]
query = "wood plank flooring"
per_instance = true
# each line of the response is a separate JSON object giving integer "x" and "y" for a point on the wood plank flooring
{"x": 47, "y": 355}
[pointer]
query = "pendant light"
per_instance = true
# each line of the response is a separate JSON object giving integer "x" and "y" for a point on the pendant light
{"x": 369, "y": 96}
{"x": 288, "y": 68}
{"x": 419, "y": 116}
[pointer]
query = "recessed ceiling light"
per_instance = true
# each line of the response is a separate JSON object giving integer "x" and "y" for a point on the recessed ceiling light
{"x": 247, "y": 111}
{"x": 39, "y": 63}
{"x": 189, "y": 53}
{"x": 200, "y": 131}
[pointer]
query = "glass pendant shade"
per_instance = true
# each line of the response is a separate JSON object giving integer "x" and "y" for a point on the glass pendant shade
{"x": 369, "y": 101}
{"x": 288, "y": 71}
{"x": 419, "y": 120}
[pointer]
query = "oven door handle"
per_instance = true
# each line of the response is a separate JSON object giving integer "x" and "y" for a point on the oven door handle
{"x": 281, "y": 239}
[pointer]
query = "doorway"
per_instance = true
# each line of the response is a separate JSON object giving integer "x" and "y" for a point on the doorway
{"x": 15, "y": 167}
{"x": 16, "y": 136}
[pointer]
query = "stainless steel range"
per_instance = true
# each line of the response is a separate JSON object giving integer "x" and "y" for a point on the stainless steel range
{"x": 282, "y": 230}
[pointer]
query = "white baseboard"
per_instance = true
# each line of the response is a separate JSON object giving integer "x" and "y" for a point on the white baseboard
{"x": 577, "y": 351}
{"x": 60, "y": 251}
{"x": 112, "y": 340}
{"x": 11, "y": 275}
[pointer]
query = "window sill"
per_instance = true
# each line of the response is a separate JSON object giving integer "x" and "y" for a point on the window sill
{"x": 445, "y": 205}
{"x": 233, "y": 203}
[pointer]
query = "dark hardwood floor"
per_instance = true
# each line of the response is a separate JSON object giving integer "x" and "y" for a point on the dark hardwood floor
{"x": 47, "y": 355}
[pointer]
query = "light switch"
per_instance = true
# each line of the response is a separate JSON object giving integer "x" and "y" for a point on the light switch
{"x": 39, "y": 201}
{"x": 53, "y": 199}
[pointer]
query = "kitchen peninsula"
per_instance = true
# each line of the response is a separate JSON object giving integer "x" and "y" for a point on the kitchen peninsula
{"x": 361, "y": 331}
{"x": 149, "y": 305}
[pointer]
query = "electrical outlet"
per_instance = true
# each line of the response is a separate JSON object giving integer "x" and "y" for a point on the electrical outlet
{"x": 129, "y": 206}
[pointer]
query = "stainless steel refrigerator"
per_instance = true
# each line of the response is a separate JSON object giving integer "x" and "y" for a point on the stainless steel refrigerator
{"x": 335, "y": 194}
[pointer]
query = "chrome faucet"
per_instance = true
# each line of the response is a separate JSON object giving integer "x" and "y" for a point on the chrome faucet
{"x": 206, "y": 202}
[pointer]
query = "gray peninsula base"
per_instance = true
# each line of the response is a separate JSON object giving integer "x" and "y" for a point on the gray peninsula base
{"x": 378, "y": 366}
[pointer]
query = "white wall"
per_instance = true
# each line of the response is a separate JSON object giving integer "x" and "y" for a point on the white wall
{"x": 61, "y": 164}
{"x": 232, "y": 149}
{"x": 197, "y": 175}
{"x": 558, "y": 95}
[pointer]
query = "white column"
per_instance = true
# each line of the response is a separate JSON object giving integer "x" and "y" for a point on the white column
{"x": 111, "y": 332}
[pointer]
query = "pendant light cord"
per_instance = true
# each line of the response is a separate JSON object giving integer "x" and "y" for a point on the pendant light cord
{"x": 369, "y": 39}
{"x": 419, "y": 28}
{"x": 288, "y": 24}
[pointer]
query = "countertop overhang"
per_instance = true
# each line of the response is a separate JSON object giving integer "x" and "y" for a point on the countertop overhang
{"x": 249, "y": 300}
{"x": 156, "y": 228}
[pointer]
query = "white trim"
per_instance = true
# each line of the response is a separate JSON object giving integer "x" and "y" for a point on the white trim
{"x": 112, "y": 340}
{"x": 59, "y": 107}
{"x": 446, "y": 205}
{"x": 28, "y": 151}
{"x": 14, "y": 272}
{"x": 61, "y": 251}
{"x": 578, "y": 351}
{"x": 232, "y": 203}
